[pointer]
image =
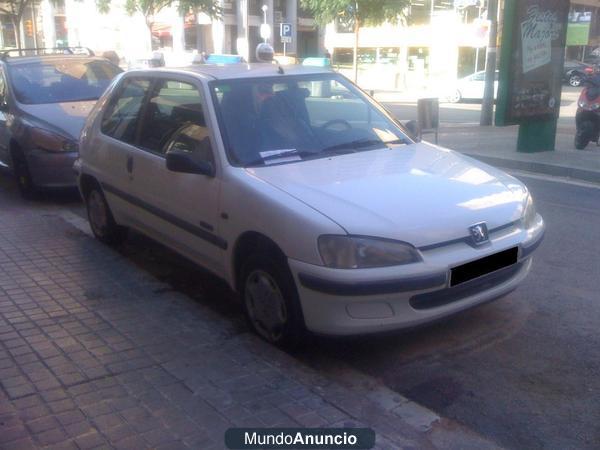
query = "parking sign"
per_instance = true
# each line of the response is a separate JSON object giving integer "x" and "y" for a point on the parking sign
{"x": 285, "y": 31}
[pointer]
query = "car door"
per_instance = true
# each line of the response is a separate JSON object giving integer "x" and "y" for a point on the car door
{"x": 476, "y": 86}
{"x": 4, "y": 135}
{"x": 180, "y": 209}
{"x": 111, "y": 150}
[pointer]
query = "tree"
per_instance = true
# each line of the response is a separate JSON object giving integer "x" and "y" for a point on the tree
{"x": 356, "y": 13}
{"x": 149, "y": 8}
{"x": 15, "y": 10}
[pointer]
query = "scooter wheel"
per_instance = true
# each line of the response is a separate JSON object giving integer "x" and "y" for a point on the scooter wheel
{"x": 582, "y": 135}
{"x": 581, "y": 141}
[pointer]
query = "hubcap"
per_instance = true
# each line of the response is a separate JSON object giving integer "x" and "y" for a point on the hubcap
{"x": 97, "y": 213}
{"x": 265, "y": 305}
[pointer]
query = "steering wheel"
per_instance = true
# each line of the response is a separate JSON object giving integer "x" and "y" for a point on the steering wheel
{"x": 335, "y": 122}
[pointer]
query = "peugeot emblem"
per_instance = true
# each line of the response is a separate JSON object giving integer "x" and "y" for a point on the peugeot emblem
{"x": 479, "y": 233}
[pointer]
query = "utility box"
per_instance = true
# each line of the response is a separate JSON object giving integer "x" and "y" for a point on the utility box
{"x": 428, "y": 116}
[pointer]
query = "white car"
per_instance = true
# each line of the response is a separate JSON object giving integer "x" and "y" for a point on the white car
{"x": 471, "y": 88}
{"x": 305, "y": 196}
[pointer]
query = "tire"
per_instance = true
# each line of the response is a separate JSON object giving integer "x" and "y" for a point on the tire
{"x": 271, "y": 300}
{"x": 101, "y": 220}
{"x": 456, "y": 97}
{"x": 25, "y": 183}
{"x": 575, "y": 80}
{"x": 582, "y": 135}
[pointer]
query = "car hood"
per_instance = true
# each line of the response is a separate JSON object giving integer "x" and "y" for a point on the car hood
{"x": 421, "y": 193}
{"x": 67, "y": 117}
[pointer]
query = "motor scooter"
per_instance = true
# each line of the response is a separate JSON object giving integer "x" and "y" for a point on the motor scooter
{"x": 587, "y": 119}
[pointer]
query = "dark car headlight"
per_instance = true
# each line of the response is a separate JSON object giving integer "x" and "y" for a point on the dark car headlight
{"x": 52, "y": 142}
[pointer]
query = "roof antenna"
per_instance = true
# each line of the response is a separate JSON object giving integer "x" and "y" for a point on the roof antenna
{"x": 279, "y": 69}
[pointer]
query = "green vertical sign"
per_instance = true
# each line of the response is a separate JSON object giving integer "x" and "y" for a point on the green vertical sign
{"x": 531, "y": 63}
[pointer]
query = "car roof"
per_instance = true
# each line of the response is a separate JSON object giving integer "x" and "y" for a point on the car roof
{"x": 242, "y": 70}
{"x": 16, "y": 60}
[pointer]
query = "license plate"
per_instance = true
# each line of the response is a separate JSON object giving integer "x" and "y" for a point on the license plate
{"x": 483, "y": 266}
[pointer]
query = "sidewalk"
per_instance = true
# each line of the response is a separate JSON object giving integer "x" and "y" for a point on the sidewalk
{"x": 96, "y": 353}
{"x": 497, "y": 146}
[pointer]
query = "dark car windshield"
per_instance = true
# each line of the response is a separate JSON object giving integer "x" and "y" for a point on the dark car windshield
{"x": 61, "y": 81}
{"x": 292, "y": 118}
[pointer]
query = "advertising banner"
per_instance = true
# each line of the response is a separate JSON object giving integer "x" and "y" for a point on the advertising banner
{"x": 532, "y": 59}
{"x": 578, "y": 30}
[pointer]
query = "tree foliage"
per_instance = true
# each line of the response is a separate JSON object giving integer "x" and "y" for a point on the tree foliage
{"x": 149, "y": 8}
{"x": 14, "y": 9}
{"x": 365, "y": 12}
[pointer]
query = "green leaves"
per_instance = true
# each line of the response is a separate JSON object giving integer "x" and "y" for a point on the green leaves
{"x": 368, "y": 12}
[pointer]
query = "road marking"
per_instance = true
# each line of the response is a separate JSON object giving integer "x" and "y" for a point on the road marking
{"x": 553, "y": 178}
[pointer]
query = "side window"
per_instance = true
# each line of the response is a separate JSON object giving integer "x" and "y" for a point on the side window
{"x": 121, "y": 118}
{"x": 173, "y": 106}
{"x": 478, "y": 76}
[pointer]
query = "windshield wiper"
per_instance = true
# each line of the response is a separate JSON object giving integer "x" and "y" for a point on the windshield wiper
{"x": 358, "y": 144}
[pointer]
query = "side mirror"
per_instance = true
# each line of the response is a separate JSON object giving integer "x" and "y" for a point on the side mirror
{"x": 184, "y": 162}
{"x": 413, "y": 129}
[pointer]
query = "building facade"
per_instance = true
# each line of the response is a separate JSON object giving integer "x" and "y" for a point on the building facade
{"x": 78, "y": 23}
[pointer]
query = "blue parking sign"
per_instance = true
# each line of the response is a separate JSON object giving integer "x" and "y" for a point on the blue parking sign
{"x": 285, "y": 30}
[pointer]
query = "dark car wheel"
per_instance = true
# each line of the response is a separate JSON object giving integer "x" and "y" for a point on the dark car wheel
{"x": 101, "y": 220}
{"x": 575, "y": 80}
{"x": 22, "y": 174}
{"x": 271, "y": 301}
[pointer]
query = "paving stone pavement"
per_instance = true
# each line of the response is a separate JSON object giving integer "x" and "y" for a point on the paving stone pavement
{"x": 96, "y": 353}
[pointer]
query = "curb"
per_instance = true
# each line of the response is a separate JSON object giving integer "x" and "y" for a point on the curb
{"x": 591, "y": 176}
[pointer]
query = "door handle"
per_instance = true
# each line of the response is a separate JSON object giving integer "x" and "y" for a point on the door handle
{"x": 129, "y": 163}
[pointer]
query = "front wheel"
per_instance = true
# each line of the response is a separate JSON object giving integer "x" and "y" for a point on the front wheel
{"x": 25, "y": 183}
{"x": 101, "y": 220}
{"x": 583, "y": 135}
{"x": 271, "y": 300}
{"x": 456, "y": 97}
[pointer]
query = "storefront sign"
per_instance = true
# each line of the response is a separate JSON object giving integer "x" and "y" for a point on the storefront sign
{"x": 532, "y": 59}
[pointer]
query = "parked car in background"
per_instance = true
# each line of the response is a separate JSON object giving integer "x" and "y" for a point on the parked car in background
{"x": 215, "y": 58}
{"x": 44, "y": 101}
{"x": 318, "y": 208}
{"x": 471, "y": 88}
{"x": 575, "y": 72}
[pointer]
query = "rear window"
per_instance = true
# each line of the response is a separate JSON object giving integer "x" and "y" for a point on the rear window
{"x": 61, "y": 81}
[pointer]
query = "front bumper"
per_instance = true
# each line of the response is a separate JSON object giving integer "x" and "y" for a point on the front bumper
{"x": 52, "y": 169}
{"x": 361, "y": 301}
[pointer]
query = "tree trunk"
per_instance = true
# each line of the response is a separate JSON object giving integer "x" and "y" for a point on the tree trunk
{"x": 17, "y": 30}
{"x": 149, "y": 24}
{"x": 355, "y": 58}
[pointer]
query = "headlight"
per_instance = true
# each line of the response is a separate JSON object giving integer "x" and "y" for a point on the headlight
{"x": 357, "y": 252}
{"x": 596, "y": 106}
{"x": 52, "y": 142}
{"x": 529, "y": 213}
{"x": 582, "y": 104}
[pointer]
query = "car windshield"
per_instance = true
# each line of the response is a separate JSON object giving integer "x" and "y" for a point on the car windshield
{"x": 61, "y": 81}
{"x": 292, "y": 118}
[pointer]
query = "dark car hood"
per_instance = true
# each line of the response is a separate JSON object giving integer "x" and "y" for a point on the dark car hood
{"x": 69, "y": 117}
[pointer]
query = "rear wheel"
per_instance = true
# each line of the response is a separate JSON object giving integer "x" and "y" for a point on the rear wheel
{"x": 101, "y": 220}
{"x": 271, "y": 300}
{"x": 23, "y": 176}
{"x": 575, "y": 80}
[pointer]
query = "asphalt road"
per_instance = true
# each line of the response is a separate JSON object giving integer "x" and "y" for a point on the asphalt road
{"x": 522, "y": 371}
{"x": 469, "y": 112}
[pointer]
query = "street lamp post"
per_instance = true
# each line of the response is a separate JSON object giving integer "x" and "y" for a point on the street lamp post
{"x": 264, "y": 10}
